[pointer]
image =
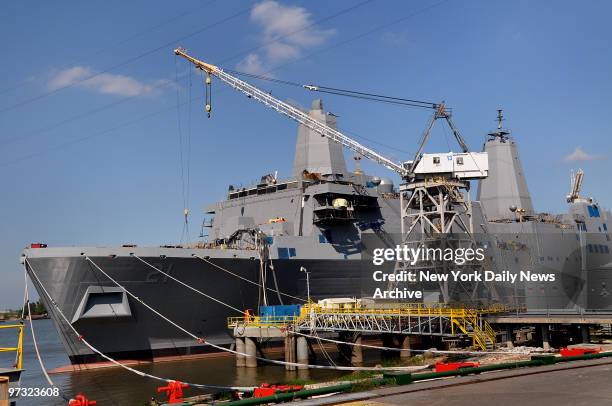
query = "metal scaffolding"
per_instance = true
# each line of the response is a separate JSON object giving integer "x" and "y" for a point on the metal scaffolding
{"x": 405, "y": 319}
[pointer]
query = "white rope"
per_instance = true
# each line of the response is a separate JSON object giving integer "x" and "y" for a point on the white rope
{"x": 377, "y": 347}
{"x": 317, "y": 337}
{"x": 188, "y": 286}
{"x": 245, "y": 279}
{"x": 34, "y": 341}
{"x": 202, "y": 341}
{"x": 106, "y": 357}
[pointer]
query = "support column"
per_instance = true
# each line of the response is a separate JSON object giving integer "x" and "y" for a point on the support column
{"x": 302, "y": 351}
{"x": 509, "y": 336}
{"x": 586, "y": 334}
{"x": 357, "y": 351}
{"x": 240, "y": 347}
{"x": 250, "y": 348}
{"x": 290, "y": 352}
{"x": 405, "y": 346}
{"x": 545, "y": 342}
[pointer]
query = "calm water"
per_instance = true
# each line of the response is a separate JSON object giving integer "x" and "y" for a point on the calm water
{"x": 115, "y": 386}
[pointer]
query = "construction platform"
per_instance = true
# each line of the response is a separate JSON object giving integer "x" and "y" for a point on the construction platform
{"x": 407, "y": 322}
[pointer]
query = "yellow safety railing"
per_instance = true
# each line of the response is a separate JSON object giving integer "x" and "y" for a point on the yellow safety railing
{"x": 19, "y": 349}
{"x": 489, "y": 331}
{"x": 260, "y": 321}
{"x": 462, "y": 319}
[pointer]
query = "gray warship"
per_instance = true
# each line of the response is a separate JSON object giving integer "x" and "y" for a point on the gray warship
{"x": 317, "y": 219}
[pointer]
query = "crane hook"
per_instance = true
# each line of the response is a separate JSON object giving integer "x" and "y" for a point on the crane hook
{"x": 208, "y": 86}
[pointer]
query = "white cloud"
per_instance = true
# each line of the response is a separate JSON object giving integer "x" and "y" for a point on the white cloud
{"x": 579, "y": 155}
{"x": 252, "y": 64}
{"x": 286, "y": 32}
{"x": 105, "y": 83}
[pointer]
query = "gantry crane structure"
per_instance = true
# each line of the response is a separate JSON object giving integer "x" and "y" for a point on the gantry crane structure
{"x": 434, "y": 192}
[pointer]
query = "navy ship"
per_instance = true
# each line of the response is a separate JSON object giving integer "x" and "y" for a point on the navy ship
{"x": 321, "y": 220}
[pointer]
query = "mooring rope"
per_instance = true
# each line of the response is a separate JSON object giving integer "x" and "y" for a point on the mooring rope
{"x": 112, "y": 360}
{"x": 187, "y": 286}
{"x": 35, "y": 342}
{"x": 245, "y": 279}
{"x": 201, "y": 340}
{"x": 378, "y": 347}
{"x": 317, "y": 337}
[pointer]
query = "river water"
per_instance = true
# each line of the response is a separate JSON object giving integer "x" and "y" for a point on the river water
{"x": 116, "y": 386}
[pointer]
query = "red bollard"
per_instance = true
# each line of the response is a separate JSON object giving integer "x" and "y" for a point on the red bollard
{"x": 174, "y": 391}
{"x": 81, "y": 400}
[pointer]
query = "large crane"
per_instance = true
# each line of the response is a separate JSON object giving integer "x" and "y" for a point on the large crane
{"x": 434, "y": 193}
{"x": 293, "y": 113}
{"x": 406, "y": 170}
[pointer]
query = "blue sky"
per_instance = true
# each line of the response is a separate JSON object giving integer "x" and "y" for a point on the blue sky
{"x": 97, "y": 161}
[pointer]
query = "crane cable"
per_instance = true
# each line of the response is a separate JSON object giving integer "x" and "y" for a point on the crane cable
{"x": 342, "y": 92}
{"x": 185, "y": 163}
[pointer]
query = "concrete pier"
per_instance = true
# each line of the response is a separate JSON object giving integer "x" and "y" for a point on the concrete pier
{"x": 250, "y": 348}
{"x": 586, "y": 334}
{"x": 357, "y": 350}
{"x": 408, "y": 343}
{"x": 302, "y": 351}
{"x": 240, "y": 347}
{"x": 290, "y": 352}
{"x": 509, "y": 336}
{"x": 545, "y": 338}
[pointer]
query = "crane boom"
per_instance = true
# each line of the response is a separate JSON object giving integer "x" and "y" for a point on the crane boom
{"x": 293, "y": 113}
{"x": 574, "y": 193}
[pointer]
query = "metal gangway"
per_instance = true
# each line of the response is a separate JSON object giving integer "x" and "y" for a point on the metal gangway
{"x": 404, "y": 319}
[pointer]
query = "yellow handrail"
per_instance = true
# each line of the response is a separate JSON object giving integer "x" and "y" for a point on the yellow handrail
{"x": 19, "y": 349}
{"x": 466, "y": 320}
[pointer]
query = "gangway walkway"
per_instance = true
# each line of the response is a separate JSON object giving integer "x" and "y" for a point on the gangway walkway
{"x": 405, "y": 319}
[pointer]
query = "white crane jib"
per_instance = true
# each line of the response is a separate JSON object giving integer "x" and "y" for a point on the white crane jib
{"x": 465, "y": 165}
{"x": 293, "y": 113}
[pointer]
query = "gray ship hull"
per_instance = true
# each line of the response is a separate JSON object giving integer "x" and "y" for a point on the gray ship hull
{"x": 96, "y": 309}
